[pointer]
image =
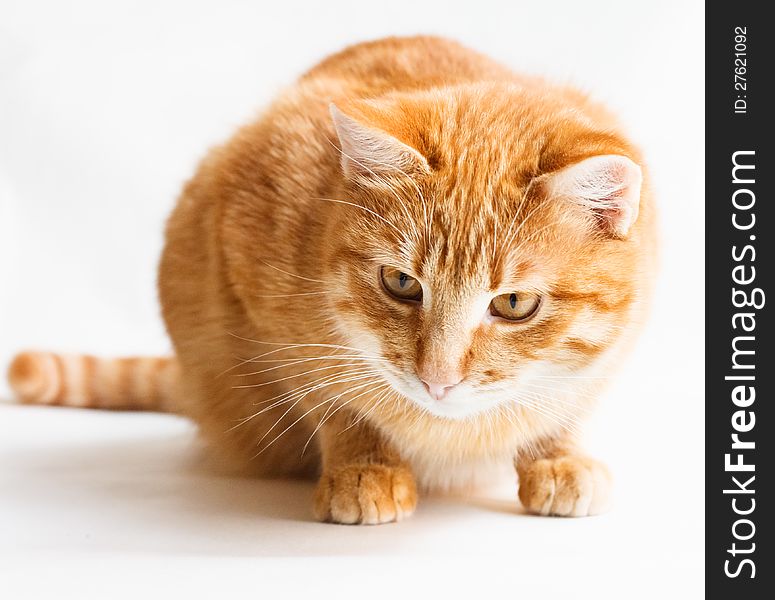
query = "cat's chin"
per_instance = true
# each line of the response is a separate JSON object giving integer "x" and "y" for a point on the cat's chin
{"x": 455, "y": 411}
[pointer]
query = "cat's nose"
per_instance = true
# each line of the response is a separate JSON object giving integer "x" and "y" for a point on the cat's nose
{"x": 439, "y": 389}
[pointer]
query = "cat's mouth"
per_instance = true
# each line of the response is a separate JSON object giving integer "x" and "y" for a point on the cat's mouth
{"x": 460, "y": 402}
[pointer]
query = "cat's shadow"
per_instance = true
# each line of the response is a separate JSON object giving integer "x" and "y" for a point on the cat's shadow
{"x": 157, "y": 493}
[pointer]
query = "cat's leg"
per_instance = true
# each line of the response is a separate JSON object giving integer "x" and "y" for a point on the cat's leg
{"x": 364, "y": 480}
{"x": 563, "y": 482}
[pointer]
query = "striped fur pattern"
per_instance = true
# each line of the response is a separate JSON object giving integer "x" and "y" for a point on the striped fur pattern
{"x": 84, "y": 381}
{"x": 426, "y": 157}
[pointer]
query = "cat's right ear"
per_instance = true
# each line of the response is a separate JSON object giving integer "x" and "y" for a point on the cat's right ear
{"x": 371, "y": 154}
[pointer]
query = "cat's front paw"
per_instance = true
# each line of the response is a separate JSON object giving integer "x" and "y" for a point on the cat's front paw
{"x": 569, "y": 486}
{"x": 365, "y": 493}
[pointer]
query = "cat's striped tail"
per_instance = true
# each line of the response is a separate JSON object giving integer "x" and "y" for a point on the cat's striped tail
{"x": 85, "y": 381}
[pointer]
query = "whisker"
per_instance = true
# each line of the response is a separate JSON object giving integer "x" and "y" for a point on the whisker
{"x": 294, "y": 362}
{"x": 421, "y": 412}
{"x": 320, "y": 381}
{"x": 563, "y": 419}
{"x": 532, "y": 236}
{"x": 300, "y": 418}
{"x": 317, "y": 428}
{"x": 571, "y": 377}
{"x": 318, "y": 384}
{"x": 540, "y": 411}
{"x": 287, "y": 345}
{"x": 384, "y": 181}
{"x": 567, "y": 406}
{"x": 294, "y": 376}
{"x": 507, "y": 238}
{"x": 292, "y": 274}
{"x": 368, "y": 210}
{"x": 513, "y": 418}
{"x": 377, "y": 401}
{"x": 326, "y": 357}
{"x": 325, "y": 417}
{"x": 290, "y": 295}
{"x": 288, "y": 410}
{"x": 570, "y": 423}
{"x": 304, "y": 390}
{"x": 256, "y": 359}
{"x": 562, "y": 391}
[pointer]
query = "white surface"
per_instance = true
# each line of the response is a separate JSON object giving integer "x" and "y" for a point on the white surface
{"x": 104, "y": 110}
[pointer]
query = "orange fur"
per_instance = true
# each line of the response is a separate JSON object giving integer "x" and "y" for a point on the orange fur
{"x": 139, "y": 383}
{"x": 292, "y": 357}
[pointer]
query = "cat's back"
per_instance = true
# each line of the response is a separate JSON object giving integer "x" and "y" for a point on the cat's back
{"x": 407, "y": 63}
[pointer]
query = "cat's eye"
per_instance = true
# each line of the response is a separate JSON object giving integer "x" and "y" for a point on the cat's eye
{"x": 400, "y": 285}
{"x": 516, "y": 306}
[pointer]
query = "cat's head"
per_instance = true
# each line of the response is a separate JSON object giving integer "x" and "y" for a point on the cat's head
{"x": 488, "y": 238}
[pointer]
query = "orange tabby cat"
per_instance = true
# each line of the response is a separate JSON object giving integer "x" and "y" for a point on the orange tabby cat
{"x": 415, "y": 267}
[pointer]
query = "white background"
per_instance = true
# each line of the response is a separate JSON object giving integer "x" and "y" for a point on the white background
{"x": 105, "y": 108}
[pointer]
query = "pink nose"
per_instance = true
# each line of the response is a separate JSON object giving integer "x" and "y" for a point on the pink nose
{"x": 439, "y": 389}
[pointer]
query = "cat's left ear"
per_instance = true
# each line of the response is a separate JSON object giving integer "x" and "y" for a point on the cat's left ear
{"x": 608, "y": 185}
{"x": 369, "y": 153}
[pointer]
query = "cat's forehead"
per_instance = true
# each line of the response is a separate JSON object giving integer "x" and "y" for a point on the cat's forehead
{"x": 462, "y": 245}
{"x": 474, "y": 245}
{"x": 490, "y": 132}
